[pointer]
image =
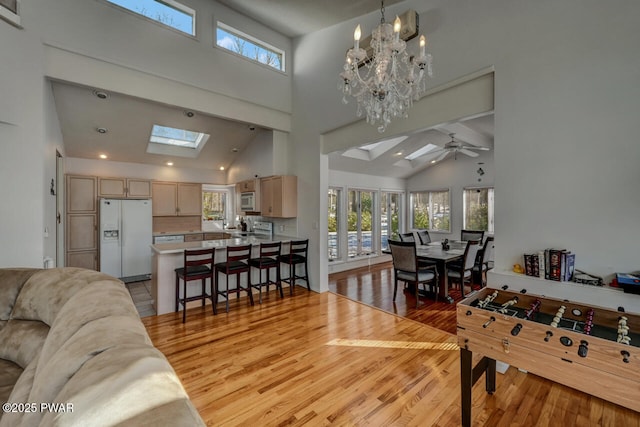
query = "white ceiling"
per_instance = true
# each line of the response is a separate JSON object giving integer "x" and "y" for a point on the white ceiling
{"x": 129, "y": 120}
{"x": 477, "y": 131}
{"x": 294, "y": 18}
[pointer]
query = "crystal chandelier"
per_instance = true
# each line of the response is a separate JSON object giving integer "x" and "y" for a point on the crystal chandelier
{"x": 385, "y": 84}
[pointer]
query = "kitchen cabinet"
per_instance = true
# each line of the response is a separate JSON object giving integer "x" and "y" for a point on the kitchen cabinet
{"x": 132, "y": 188}
{"x": 189, "y": 199}
{"x": 81, "y": 194}
{"x": 193, "y": 237}
{"x": 279, "y": 196}
{"x": 247, "y": 186}
{"x": 216, "y": 236}
{"x": 176, "y": 199}
{"x": 81, "y": 234}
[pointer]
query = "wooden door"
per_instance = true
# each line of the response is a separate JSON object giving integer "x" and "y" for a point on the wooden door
{"x": 266, "y": 196}
{"x": 81, "y": 232}
{"x": 189, "y": 199}
{"x": 83, "y": 259}
{"x": 165, "y": 198}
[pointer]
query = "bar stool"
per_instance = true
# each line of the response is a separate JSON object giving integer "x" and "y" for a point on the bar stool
{"x": 297, "y": 255}
{"x": 236, "y": 263}
{"x": 267, "y": 261}
{"x": 197, "y": 264}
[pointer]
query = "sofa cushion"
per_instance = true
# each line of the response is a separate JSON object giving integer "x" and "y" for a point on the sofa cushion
{"x": 135, "y": 379}
{"x": 9, "y": 374}
{"x": 11, "y": 281}
{"x": 22, "y": 340}
{"x": 94, "y": 301}
{"x": 19, "y": 394}
{"x": 46, "y": 292}
{"x": 92, "y": 339}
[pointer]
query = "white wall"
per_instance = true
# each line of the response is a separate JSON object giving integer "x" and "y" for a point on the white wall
{"x": 103, "y": 168}
{"x": 566, "y": 104}
{"x": 94, "y": 43}
{"x": 454, "y": 175}
{"x": 255, "y": 159}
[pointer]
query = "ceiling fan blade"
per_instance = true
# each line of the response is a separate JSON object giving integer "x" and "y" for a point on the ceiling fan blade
{"x": 473, "y": 147}
{"x": 468, "y": 153}
{"x": 442, "y": 155}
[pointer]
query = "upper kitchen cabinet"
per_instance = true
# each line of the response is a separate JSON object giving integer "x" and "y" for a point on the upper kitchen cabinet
{"x": 176, "y": 199}
{"x": 279, "y": 196}
{"x": 132, "y": 188}
{"x": 81, "y": 194}
{"x": 250, "y": 185}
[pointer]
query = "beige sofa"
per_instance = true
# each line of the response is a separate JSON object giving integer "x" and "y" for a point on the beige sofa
{"x": 73, "y": 352}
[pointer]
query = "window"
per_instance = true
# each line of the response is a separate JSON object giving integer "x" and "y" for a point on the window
{"x": 249, "y": 47}
{"x": 166, "y": 12}
{"x": 214, "y": 205}
{"x": 390, "y": 214}
{"x": 334, "y": 223}
{"x": 359, "y": 223}
{"x": 478, "y": 209}
{"x": 430, "y": 210}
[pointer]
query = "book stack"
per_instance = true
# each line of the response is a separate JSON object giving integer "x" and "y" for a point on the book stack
{"x": 551, "y": 264}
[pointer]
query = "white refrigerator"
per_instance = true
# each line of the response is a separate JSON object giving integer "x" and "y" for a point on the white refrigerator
{"x": 125, "y": 238}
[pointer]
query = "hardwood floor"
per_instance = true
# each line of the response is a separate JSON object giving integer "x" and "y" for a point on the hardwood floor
{"x": 323, "y": 359}
{"x": 374, "y": 286}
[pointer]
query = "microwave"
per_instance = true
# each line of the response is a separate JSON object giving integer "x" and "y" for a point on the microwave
{"x": 248, "y": 201}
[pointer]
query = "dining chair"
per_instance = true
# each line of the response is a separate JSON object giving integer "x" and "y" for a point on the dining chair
{"x": 462, "y": 272}
{"x": 424, "y": 237}
{"x": 266, "y": 260}
{"x": 407, "y": 268}
{"x": 407, "y": 237}
{"x": 471, "y": 235}
{"x": 298, "y": 250}
{"x": 236, "y": 264}
{"x": 196, "y": 266}
{"x": 484, "y": 258}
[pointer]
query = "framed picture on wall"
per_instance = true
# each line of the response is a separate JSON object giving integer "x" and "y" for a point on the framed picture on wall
{"x": 10, "y": 11}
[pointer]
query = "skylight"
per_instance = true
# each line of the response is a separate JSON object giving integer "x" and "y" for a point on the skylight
{"x": 177, "y": 137}
{"x": 421, "y": 151}
{"x": 176, "y": 142}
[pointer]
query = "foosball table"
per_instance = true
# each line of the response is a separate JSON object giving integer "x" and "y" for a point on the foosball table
{"x": 592, "y": 349}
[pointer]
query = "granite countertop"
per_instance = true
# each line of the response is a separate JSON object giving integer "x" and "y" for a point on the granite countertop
{"x": 174, "y": 248}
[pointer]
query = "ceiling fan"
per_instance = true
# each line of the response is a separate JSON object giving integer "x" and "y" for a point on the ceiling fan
{"x": 455, "y": 147}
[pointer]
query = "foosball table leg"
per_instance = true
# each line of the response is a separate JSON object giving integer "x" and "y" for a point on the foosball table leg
{"x": 469, "y": 375}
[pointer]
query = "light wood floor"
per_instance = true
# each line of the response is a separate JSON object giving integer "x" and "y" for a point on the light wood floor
{"x": 323, "y": 359}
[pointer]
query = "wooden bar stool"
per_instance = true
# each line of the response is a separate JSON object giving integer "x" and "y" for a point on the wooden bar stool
{"x": 197, "y": 266}
{"x": 236, "y": 263}
{"x": 267, "y": 260}
{"x": 297, "y": 255}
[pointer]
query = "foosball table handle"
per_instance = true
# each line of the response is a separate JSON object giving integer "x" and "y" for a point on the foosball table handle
{"x": 583, "y": 348}
{"x": 548, "y": 337}
{"x": 625, "y": 356}
{"x": 516, "y": 329}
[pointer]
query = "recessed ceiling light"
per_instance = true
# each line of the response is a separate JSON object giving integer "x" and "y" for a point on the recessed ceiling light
{"x": 102, "y": 130}
{"x": 189, "y": 113}
{"x": 221, "y": 168}
{"x": 101, "y": 94}
{"x": 103, "y": 156}
{"x": 433, "y": 161}
{"x": 399, "y": 153}
{"x": 169, "y": 163}
{"x": 234, "y": 149}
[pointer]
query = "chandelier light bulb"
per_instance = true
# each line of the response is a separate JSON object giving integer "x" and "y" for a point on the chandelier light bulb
{"x": 384, "y": 78}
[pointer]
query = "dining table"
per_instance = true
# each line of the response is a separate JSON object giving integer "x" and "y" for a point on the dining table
{"x": 435, "y": 253}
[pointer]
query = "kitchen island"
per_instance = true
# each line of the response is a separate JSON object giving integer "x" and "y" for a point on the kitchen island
{"x": 166, "y": 257}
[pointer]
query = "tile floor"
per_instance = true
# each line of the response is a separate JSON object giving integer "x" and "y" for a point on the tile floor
{"x": 141, "y": 295}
